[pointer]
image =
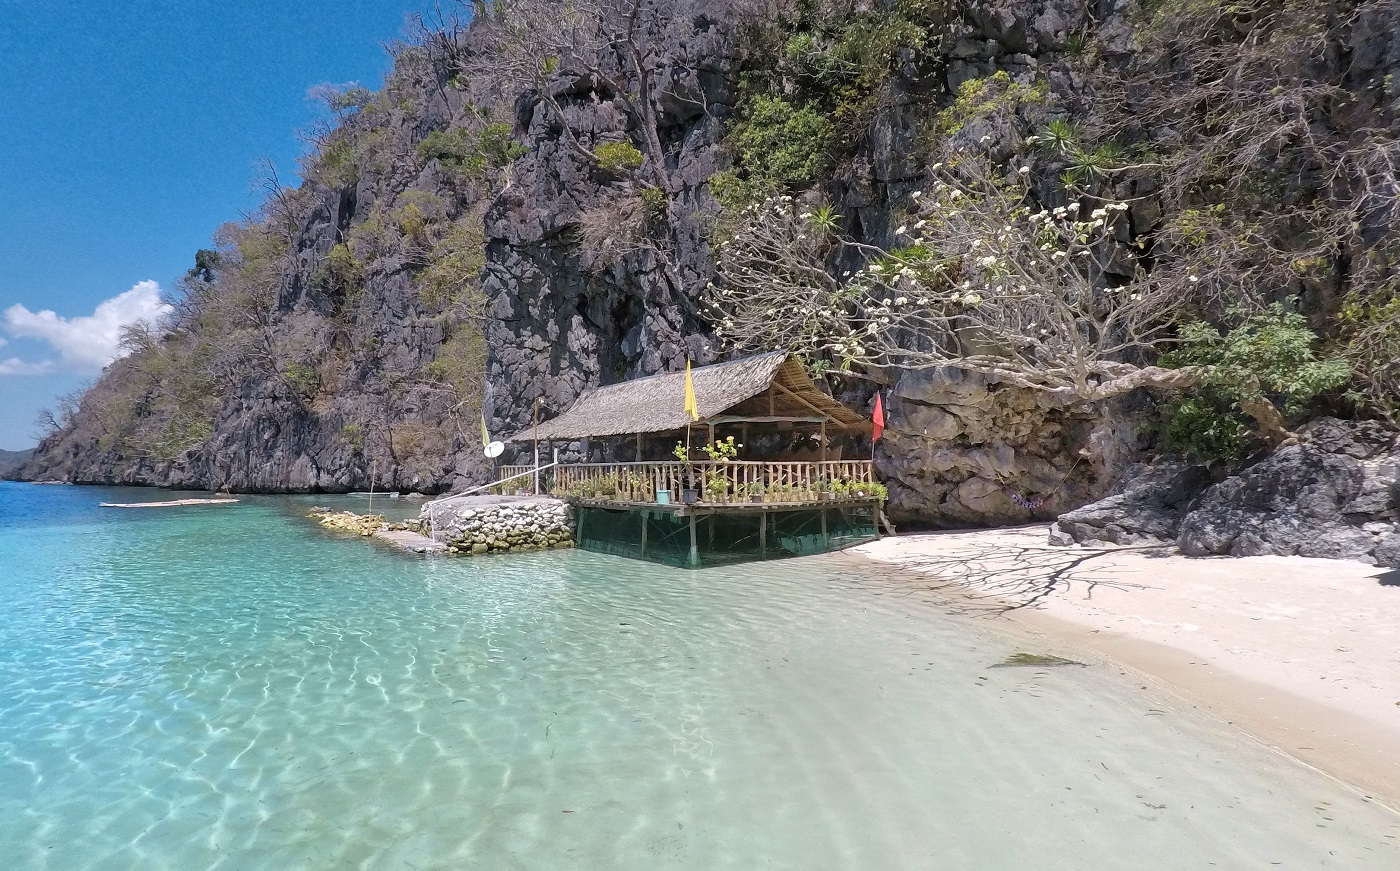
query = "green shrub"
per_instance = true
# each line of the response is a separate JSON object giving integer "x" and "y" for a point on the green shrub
{"x": 654, "y": 202}
{"x": 470, "y": 154}
{"x": 618, "y": 156}
{"x": 301, "y": 379}
{"x": 782, "y": 143}
{"x": 1370, "y": 338}
{"x": 454, "y": 266}
{"x": 988, "y": 97}
{"x": 340, "y": 270}
{"x": 1270, "y": 353}
{"x": 1207, "y": 427}
{"x": 498, "y": 147}
{"x": 1267, "y": 356}
{"x": 335, "y": 166}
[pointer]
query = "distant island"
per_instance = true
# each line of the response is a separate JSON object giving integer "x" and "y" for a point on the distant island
{"x": 12, "y": 460}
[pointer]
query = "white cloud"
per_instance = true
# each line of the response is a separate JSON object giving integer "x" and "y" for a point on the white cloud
{"x": 16, "y": 366}
{"x": 87, "y": 342}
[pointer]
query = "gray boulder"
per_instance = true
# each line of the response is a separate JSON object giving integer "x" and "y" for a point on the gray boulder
{"x": 1148, "y": 507}
{"x": 1291, "y": 503}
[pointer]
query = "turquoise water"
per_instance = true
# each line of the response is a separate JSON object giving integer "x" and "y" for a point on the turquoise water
{"x": 231, "y": 688}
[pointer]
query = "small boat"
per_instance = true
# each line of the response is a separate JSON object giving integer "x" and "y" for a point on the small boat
{"x": 177, "y": 503}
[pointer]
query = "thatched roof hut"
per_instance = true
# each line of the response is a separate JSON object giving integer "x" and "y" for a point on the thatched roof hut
{"x": 770, "y": 388}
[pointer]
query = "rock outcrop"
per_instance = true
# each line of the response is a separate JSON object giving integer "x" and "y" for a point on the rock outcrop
{"x": 1334, "y": 495}
{"x": 1147, "y": 507}
{"x": 965, "y": 449}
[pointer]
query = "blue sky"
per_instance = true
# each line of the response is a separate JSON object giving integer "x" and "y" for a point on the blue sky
{"x": 128, "y": 132}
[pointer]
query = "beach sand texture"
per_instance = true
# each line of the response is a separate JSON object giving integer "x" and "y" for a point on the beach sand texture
{"x": 1304, "y": 654}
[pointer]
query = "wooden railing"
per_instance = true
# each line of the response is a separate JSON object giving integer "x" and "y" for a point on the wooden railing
{"x": 737, "y": 479}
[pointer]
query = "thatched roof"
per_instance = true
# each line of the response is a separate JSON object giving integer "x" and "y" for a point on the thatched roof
{"x": 770, "y": 386}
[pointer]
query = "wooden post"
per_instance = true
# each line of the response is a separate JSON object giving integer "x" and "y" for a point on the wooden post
{"x": 694, "y": 547}
{"x": 644, "y": 532}
{"x": 823, "y": 437}
{"x": 823, "y": 521}
{"x": 639, "y": 448}
{"x": 578, "y": 530}
{"x": 763, "y": 533}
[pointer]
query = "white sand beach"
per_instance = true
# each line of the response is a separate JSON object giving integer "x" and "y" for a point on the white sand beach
{"x": 1304, "y": 654}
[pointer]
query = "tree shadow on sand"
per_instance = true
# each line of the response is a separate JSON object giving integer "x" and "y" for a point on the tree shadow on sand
{"x": 998, "y": 577}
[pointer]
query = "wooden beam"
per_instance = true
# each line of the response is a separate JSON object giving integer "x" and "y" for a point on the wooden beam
{"x": 739, "y": 418}
{"x": 800, "y": 399}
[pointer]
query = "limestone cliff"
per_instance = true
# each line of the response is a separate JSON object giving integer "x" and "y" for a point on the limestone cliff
{"x": 471, "y": 238}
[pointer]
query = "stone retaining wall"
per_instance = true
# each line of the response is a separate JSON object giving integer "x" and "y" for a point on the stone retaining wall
{"x": 501, "y": 524}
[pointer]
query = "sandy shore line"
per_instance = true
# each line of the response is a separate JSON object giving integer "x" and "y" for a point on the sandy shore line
{"x": 1304, "y": 654}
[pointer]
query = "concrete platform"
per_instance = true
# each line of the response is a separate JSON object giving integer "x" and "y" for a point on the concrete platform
{"x": 411, "y": 542}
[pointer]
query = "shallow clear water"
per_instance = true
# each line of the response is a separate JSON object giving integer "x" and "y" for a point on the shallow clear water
{"x": 229, "y": 687}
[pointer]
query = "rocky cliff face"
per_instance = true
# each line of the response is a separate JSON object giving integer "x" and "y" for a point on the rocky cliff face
{"x": 466, "y": 242}
{"x": 564, "y": 316}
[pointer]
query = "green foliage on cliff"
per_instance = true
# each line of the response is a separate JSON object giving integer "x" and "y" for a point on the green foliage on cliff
{"x": 801, "y": 115}
{"x": 1267, "y": 356}
{"x": 618, "y": 156}
{"x": 471, "y": 153}
{"x": 994, "y": 95}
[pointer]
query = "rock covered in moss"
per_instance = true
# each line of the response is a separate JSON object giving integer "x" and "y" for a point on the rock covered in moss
{"x": 349, "y": 521}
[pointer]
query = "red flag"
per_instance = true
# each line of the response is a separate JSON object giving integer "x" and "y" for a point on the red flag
{"x": 878, "y": 417}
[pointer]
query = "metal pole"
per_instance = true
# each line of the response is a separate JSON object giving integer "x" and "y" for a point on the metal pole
{"x": 537, "y": 446}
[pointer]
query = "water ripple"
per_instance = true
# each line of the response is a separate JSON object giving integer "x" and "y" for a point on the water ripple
{"x": 232, "y": 689}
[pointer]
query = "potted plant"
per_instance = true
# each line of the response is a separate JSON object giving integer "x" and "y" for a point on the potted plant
{"x": 879, "y": 491}
{"x": 717, "y": 487}
{"x": 824, "y": 489}
{"x": 723, "y": 451}
{"x": 756, "y": 491}
{"x": 690, "y": 494}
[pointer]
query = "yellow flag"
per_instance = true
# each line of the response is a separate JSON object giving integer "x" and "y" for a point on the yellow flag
{"x": 485, "y": 434}
{"x": 690, "y": 407}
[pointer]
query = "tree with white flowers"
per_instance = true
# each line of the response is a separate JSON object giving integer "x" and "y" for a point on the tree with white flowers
{"x": 983, "y": 280}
